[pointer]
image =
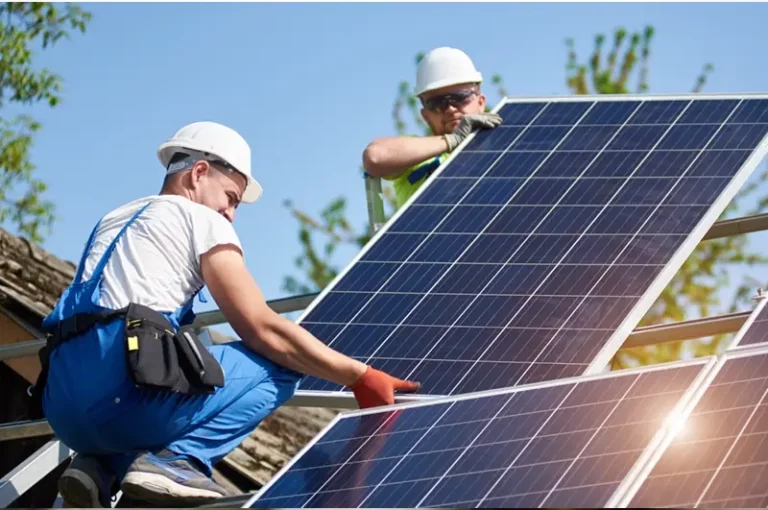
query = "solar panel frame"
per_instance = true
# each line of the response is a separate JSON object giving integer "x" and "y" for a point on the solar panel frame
{"x": 651, "y": 292}
{"x": 640, "y": 466}
{"x": 655, "y": 457}
{"x": 759, "y": 315}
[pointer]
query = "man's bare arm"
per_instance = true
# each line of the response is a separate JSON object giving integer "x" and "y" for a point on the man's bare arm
{"x": 391, "y": 156}
{"x": 265, "y": 331}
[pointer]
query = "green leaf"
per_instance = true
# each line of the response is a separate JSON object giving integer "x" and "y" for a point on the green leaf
{"x": 24, "y": 26}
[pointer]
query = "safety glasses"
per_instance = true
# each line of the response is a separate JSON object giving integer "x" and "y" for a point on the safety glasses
{"x": 192, "y": 156}
{"x": 457, "y": 99}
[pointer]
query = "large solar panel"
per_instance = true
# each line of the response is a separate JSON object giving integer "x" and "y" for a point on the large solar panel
{"x": 534, "y": 251}
{"x": 719, "y": 458}
{"x": 755, "y": 330}
{"x": 566, "y": 443}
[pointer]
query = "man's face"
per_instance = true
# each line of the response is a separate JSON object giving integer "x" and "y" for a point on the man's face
{"x": 219, "y": 189}
{"x": 443, "y": 108}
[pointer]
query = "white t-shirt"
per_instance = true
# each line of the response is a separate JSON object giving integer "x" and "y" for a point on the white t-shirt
{"x": 157, "y": 261}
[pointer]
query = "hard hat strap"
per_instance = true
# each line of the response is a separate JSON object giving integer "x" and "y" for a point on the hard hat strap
{"x": 190, "y": 156}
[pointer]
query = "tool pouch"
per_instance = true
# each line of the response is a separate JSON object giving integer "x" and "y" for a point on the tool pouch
{"x": 161, "y": 359}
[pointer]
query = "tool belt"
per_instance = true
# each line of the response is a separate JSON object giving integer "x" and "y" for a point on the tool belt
{"x": 156, "y": 356}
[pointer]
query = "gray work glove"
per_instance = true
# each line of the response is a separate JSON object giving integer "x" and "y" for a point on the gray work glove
{"x": 468, "y": 125}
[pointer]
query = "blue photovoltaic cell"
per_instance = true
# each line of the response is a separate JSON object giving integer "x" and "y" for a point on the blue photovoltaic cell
{"x": 566, "y": 445}
{"x": 720, "y": 456}
{"x": 757, "y": 333}
{"x": 521, "y": 258}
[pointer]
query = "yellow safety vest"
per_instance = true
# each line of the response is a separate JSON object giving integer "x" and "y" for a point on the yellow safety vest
{"x": 411, "y": 180}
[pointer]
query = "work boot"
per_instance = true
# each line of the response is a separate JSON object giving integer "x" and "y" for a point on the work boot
{"x": 167, "y": 478}
{"x": 85, "y": 484}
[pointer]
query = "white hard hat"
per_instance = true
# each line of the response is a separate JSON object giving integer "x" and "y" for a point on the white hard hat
{"x": 443, "y": 67}
{"x": 217, "y": 140}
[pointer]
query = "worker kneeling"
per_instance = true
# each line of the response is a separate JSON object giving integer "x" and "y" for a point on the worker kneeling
{"x": 127, "y": 384}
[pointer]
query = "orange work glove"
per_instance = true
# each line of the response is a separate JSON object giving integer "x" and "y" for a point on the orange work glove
{"x": 375, "y": 388}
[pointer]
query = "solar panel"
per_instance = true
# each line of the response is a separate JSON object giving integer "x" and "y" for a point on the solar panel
{"x": 755, "y": 330}
{"x": 719, "y": 458}
{"x": 565, "y": 443}
{"x": 533, "y": 252}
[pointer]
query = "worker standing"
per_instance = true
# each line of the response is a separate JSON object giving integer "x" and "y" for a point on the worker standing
{"x": 126, "y": 382}
{"x": 448, "y": 86}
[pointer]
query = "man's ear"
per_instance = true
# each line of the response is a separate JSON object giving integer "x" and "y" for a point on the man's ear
{"x": 482, "y": 100}
{"x": 199, "y": 170}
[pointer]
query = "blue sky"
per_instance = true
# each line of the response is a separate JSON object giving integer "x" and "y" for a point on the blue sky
{"x": 309, "y": 85}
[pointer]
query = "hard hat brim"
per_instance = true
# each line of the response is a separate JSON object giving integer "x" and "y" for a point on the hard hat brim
{"x": 253, "y": 189}
{"x": 475, "y": 78}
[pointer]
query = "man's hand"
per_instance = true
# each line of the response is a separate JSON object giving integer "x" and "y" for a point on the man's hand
{"x": 375, "y": 388}
{"x": 468, "y": 125}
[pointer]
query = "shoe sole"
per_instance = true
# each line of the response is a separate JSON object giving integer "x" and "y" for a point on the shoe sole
{"x": 155, "y": 488}
{"x": 78, "y": 490}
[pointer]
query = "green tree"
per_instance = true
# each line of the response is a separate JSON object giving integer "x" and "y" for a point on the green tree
{"x": 24, "y": 25}
{"x": 619, "y": 69}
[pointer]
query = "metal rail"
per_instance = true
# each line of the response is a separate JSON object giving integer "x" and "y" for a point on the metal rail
{"x": 32, "y": 470}
{"x": 281, "y": 305}
{"x": 736, "y": 226}
{"x": 21, "y": 349}
{"x": 686, "y": 330}
{"x": 24, "y": 429}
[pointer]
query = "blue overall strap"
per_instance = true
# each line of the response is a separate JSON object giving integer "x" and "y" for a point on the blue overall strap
{"x": 105, "y": 258}
{"x": 84, "y": 256}
{"x": 424, "y": 170}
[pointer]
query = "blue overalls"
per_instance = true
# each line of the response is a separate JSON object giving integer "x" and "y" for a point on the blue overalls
{"x": 94, "y": 408}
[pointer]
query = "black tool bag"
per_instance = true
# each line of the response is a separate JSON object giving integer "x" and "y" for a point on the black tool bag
{"x": 159, "y": 358}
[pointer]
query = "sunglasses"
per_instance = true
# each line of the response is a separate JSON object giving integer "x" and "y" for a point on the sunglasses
{"x": 457, "y": 99}
{"x": 191, "y": 156}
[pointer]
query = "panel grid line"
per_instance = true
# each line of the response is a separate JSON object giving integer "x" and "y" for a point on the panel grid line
{"x": 474, "y": 440}
{"x": 588, "y": 443}
{"x": 574, "y": 246}
{"x": 414, "y": 293}
{"x": 478, "y": 435}
{"x": 730, "y": 449}
{"x": 434, "y": 424}
{"x": 467, "y": 504}
{"x": 483, "y": 264}
{"x": 567, "y": 252}
{"x": 633, "y": 235}
{"x": 469, "y": 246}
{"x": 358, "y": 449}
{"x": 753, "y": 332}
{"x": 468, "y": 326}
{"x": 523, "y": 243}
{"x": 563, "y": 416}
{"x": 394, "y": 273}
{"x": 726, "y": 412}
{"x": 496, "y": 443}
{"x": 500, "y": 234}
